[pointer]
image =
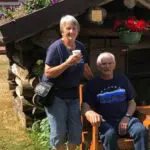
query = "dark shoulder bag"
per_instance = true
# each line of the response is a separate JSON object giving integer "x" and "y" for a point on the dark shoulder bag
{"x": 44, "y": 94}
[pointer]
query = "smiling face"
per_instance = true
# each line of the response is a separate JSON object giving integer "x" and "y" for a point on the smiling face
{"x": 70, "y": 31}
{"x": 106, "y": 66}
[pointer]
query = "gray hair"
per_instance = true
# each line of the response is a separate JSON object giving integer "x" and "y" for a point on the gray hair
{"x": 68, "y": 19}
{"x": 104, "y": 54}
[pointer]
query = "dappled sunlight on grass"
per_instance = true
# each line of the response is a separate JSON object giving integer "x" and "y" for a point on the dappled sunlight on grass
{"x": 13, "y": 136}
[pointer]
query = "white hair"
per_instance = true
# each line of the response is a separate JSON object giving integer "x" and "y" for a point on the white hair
{"x": 68, "y": 19}
{"x": 102, "y": 55}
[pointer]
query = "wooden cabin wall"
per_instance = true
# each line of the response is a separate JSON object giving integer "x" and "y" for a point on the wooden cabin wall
{"x": 23, "y": 56}
{"x": 138, "y": 70}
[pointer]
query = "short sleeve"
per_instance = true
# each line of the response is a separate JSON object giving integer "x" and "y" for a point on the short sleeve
{"x": 52, "y": 57}
{"x": 131, "y": 94}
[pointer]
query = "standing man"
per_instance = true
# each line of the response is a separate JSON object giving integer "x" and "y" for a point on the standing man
{"x": 109, "y": 102}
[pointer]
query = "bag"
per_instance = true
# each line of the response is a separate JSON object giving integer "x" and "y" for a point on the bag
{"x": 44, "y": 94}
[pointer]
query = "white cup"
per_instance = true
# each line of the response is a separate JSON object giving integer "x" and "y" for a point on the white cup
{"x": 76, "y": 52}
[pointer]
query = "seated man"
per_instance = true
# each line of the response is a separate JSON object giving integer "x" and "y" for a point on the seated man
{"x": 109, "y": 102}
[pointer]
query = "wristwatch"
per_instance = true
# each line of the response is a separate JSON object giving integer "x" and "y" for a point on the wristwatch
{"x": 128, "y": 116}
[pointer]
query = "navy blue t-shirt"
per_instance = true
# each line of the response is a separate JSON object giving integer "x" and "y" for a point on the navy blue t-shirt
{"x": 109, "y": 97}
{"x": 67, "y": 83}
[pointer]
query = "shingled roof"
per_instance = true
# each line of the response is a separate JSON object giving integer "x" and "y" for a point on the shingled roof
{"x": 44, "y": 18}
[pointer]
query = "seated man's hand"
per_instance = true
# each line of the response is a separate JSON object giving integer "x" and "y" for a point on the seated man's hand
{"x": 93, "y": 117}
{"x": 123, "y": 125}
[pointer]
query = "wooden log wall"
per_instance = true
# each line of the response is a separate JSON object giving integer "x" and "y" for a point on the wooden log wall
{"x": 22, "y": 77}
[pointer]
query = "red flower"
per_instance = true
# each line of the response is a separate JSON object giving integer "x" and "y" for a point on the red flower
{"x": 141, "y": 24}
{"x": 131, "y": 25}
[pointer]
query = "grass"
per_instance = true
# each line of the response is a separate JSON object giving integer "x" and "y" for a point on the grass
{"x": 17, "y": 140}
{"x": 13, "y": 141}
{"x": 12, "y": 134}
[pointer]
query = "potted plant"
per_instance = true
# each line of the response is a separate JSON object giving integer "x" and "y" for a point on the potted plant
{"x": 130, "y": 30}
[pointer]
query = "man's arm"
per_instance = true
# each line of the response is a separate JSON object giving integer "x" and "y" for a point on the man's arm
{"x": 131, "y": 108}
{"x": 124, "y": 122}
{"x": 93, "y": 117}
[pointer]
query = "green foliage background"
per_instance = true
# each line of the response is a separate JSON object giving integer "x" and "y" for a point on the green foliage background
{"x": 31, "y": 5}
{"x": 40, "y": 132}
{"x": 26, "y": 7}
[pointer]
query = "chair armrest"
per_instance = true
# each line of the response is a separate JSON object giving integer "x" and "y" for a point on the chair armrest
{"x": 95, "y": 142}
{"x": 144, "y": 115}
{"x": 143, "y": 109}
{"x": 95, "y": 133}
{"x": 81, "y": 94}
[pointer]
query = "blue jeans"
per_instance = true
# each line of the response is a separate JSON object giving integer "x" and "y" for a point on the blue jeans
{"x": 65, "y": 122}
{"x": 136, "y": 130}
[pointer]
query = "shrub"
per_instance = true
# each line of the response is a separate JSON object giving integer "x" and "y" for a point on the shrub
{"x": 40, "y": 133}
{"x": 32, "y": 5}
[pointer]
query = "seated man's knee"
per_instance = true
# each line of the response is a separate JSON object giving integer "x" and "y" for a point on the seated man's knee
{"x": 140, "y": 132}
{"x": 109, "y": 139}
{"x": 110, "y": 134}
{"x": 107, "y": 132}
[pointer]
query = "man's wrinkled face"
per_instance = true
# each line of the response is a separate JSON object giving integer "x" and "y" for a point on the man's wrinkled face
{"x": 70, "y": 31}
{"x": 107, "y": 66}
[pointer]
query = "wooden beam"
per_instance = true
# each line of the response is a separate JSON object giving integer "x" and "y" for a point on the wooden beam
{"x": 143, "y": 44}
{"x": 103, "y": 32}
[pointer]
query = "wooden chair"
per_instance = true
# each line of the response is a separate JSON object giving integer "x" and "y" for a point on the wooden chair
{"x": 90, "y": 139}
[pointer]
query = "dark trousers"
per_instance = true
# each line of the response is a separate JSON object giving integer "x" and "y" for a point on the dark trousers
{"x": 136, "y": 130}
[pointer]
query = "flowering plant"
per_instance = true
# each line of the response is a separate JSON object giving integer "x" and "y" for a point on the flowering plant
{"x": 131, "y": 25}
